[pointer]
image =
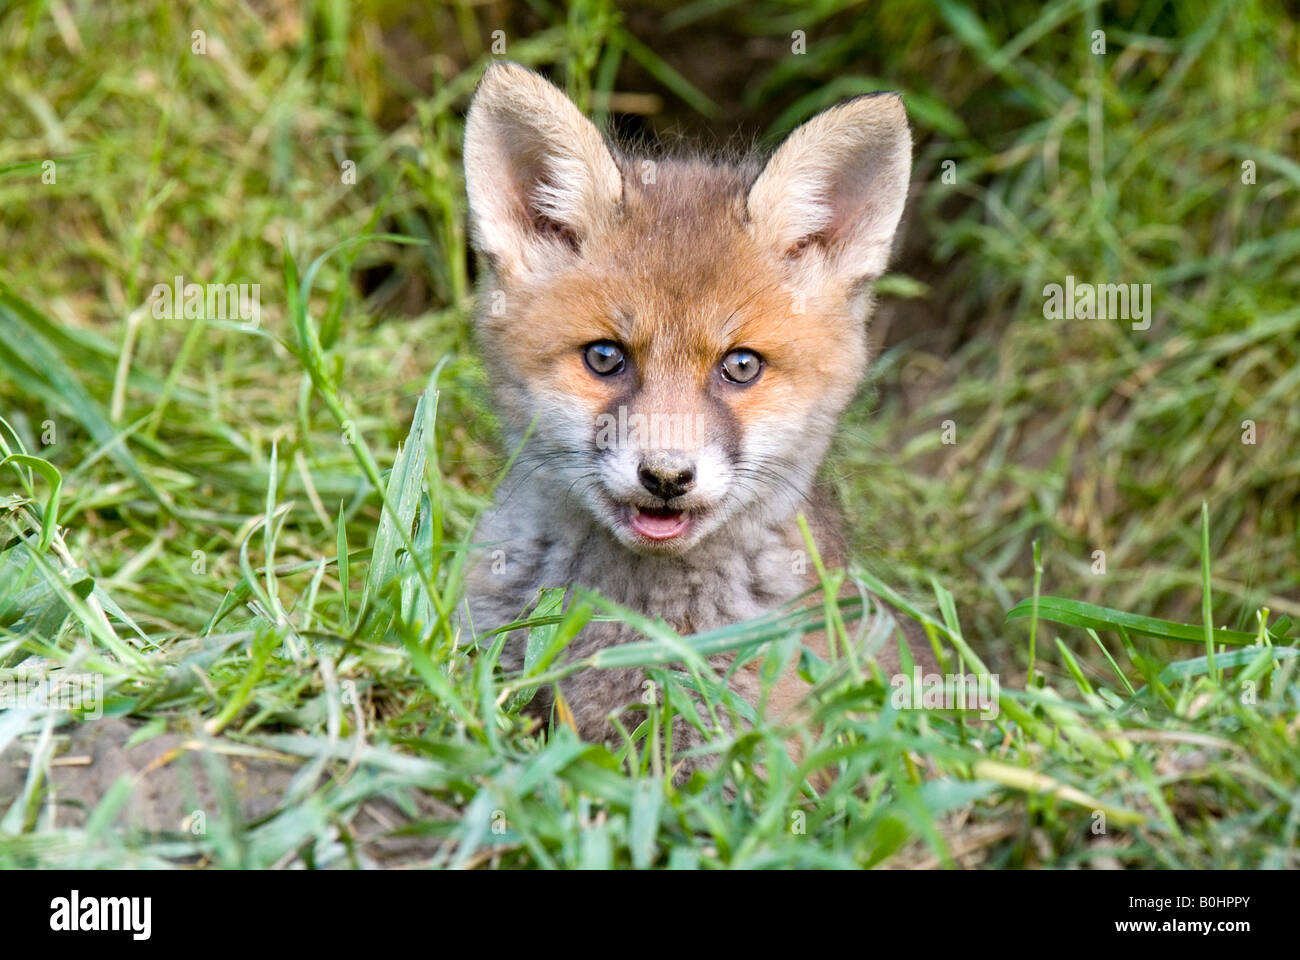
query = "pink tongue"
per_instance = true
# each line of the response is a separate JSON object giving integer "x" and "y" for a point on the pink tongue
{"x": 658, "y": 526}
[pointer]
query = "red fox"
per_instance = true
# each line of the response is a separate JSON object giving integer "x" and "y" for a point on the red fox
{"x": 681, "y": 335}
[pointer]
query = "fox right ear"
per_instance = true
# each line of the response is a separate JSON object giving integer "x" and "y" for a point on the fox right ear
{"x": 539, "y": 176}
{"x": 832, "y": 194}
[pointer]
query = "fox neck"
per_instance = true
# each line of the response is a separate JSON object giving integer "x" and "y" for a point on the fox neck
{"x": 752, "y": 564}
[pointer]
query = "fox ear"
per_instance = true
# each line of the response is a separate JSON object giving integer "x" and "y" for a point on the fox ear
{"x": 539, "y": 176}
{"x": 838, "y": 185}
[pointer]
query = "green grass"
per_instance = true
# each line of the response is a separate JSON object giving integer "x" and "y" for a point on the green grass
{"x": 193, "y": 509}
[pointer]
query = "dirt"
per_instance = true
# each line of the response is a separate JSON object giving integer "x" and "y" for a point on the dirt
{"x": 175, "y": 786}
{"x": 171, "y": 782}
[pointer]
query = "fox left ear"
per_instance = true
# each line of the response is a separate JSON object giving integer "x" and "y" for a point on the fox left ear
{"x": 838, "y": 184}
{"x": 540, "y": 179}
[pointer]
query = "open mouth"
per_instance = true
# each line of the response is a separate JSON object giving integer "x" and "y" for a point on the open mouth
{"x": 658, "y": 523}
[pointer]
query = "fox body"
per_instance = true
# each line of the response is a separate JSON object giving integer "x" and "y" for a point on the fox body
{"x": 676, "y": 340}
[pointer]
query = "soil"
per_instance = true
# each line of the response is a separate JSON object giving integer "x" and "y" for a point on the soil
{"x": 174, "y": 791}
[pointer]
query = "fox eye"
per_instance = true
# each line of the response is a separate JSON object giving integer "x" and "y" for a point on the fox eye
{"x": 604, "y": 358}
{"x": 741, "y": 366}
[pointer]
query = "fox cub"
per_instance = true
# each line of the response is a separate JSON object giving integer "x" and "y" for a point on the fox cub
{"x": 676, "y": 338}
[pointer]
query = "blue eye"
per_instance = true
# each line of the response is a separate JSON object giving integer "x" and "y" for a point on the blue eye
{"x": 741, "y": 366}
{"x": 604, "y": 358}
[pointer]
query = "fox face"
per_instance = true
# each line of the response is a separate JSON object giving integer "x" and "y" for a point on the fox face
{"x": 676, "y": 337}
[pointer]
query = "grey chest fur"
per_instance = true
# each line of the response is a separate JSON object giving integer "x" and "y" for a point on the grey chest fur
{"x": 525, "y": 544}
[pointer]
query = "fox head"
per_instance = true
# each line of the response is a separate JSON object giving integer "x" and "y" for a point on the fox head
{"x": 679, "y": 335}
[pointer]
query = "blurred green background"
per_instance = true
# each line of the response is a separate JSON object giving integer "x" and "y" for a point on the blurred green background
{"x": 1122, "y": 166}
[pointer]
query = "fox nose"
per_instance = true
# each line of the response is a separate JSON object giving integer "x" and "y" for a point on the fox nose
{"x": 666, "y": 474}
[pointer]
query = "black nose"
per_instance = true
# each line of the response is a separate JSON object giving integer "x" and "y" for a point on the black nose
{"x": 666, "y": 475}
